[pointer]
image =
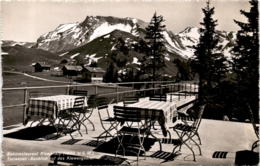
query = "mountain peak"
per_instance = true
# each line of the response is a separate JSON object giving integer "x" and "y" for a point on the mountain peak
{"x": 190, "y": 30}
{"x": 69, "y": 36}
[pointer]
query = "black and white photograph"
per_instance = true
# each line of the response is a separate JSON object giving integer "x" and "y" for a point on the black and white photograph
{"x": 129, "y": 82}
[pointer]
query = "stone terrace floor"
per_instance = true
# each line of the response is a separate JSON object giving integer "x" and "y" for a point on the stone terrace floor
{"x": 215, "y": 135}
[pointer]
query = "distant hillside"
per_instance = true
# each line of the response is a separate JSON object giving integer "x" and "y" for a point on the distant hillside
{"x": 20, "y": 58}
{"x": 6, "y": 43}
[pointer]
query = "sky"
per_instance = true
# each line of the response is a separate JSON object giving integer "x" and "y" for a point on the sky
{"x": 27, "y": 20}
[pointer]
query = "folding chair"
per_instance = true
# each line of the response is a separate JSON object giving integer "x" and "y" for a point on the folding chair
{"x": 255, "y": 127}
{"x": 84, "y": 114}
{"x": 188, "y": 115}
{"x": 159, "y": 97}
{"x": 130, "y": 100}
{"x": 186, "y": 132}
{"x": 140, "y": 129}
{"x": 70, "y": 116}
{"x": 108, "y": 123}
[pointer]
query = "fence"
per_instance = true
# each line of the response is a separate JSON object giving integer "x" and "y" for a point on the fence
{"x": 15, "y": 99}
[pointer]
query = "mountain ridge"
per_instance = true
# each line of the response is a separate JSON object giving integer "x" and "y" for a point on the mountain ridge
{"x": 67, "y": 37}
{"x": 96, "y": 38}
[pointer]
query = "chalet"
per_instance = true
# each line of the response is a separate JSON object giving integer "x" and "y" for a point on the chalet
{"x": 41, "y": 66}
{"x": 71, "y": 70}
{"x": 93, "y": 74}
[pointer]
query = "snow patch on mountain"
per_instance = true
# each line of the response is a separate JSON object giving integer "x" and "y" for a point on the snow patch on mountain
{"x": 63, "y": 54}
{"x": 174, "y": 46}
{"x": 113, "y": 47}
{"x": 107, "y": 36}
{"x": 4, "y": 53}
{"x": 135, "y": 61}
{"x": 167, "y": 57}
{"x": 91, "y": 58}
{"x": 65, "y": 27}
{"x": 106, "y": 28}
{"x": 74, "y": 55}
{"x": 191, "y": 32}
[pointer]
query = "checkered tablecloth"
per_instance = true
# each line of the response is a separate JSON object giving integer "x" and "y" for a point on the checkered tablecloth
{"x": 161, "y": 111}
{"x": 157, "y": 109}
{"x": 49, "y": 106}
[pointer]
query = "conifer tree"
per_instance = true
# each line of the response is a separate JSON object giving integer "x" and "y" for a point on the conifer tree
{"x": 204, "y": 51}
{"x": 154, "y": 58}
{"x": 111, "y": 74}
{"x": 246, "y": 59}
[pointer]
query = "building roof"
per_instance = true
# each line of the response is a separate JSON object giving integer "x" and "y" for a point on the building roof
{"x": 72, "y": 67}
{"x": 43, "y": 64}
{"x": 95, "y": 69}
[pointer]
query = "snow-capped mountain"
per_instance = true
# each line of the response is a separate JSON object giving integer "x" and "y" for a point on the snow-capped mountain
{"x": 183, "y": 43}
{"x": 70, "y": 36}
{"x": 97, "y": 38}
{"x": 67, "y": 37}
{"x": 10, "y": 43}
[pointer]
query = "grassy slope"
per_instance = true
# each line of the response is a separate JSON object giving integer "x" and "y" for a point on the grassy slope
{"x": 20, "y": 58}
{"x": 14, "y": 115}
{"x": 102, "y": 48}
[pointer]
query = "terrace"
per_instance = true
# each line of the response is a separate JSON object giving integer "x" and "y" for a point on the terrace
{"x": 23, "y": 145}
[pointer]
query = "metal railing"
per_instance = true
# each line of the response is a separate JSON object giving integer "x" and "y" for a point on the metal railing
{"x": 115, "y": 90}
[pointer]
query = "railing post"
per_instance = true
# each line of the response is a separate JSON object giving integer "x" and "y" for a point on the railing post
{"x": 68, "y": 89}
{"x": 25, "y": 103}
{"x": 190, "y": 89}
{"x": 145, "y": 90}
{"x": 96, "y": 89}
{"x": 153, "y": 88}
{"x": 133, "y": 87}
{"x": 117, "y": 97}
{"x": 185, "y": 90}
{"x": 179, "y": 89}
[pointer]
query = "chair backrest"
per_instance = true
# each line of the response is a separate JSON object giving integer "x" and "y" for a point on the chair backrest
{"x": 79, "y": 102}
{"x": 101, "y": 102}
{"x": 80, "y": 92}
{"x": 123, "y": 114}
{"x": 158, "y": 97}
{"x": 198, "y": 118}
{"x": 130, "y": 100}
{"x": 102, "y": 108}
{"x": 253, "y": 121}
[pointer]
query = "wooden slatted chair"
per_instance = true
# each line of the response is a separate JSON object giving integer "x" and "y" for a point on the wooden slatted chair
{"x": 69, "y": 120}
{"x": 187, "y": 131}
{"x": 139, "y": 129}
{"x": 130, "y": 100}
{"x": 84, "y": 114}
{"x": 108, "y": 122}
{"x": 159, "y": 97}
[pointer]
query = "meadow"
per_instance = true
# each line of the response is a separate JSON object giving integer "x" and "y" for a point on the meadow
{"x": 14, "y": 115}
